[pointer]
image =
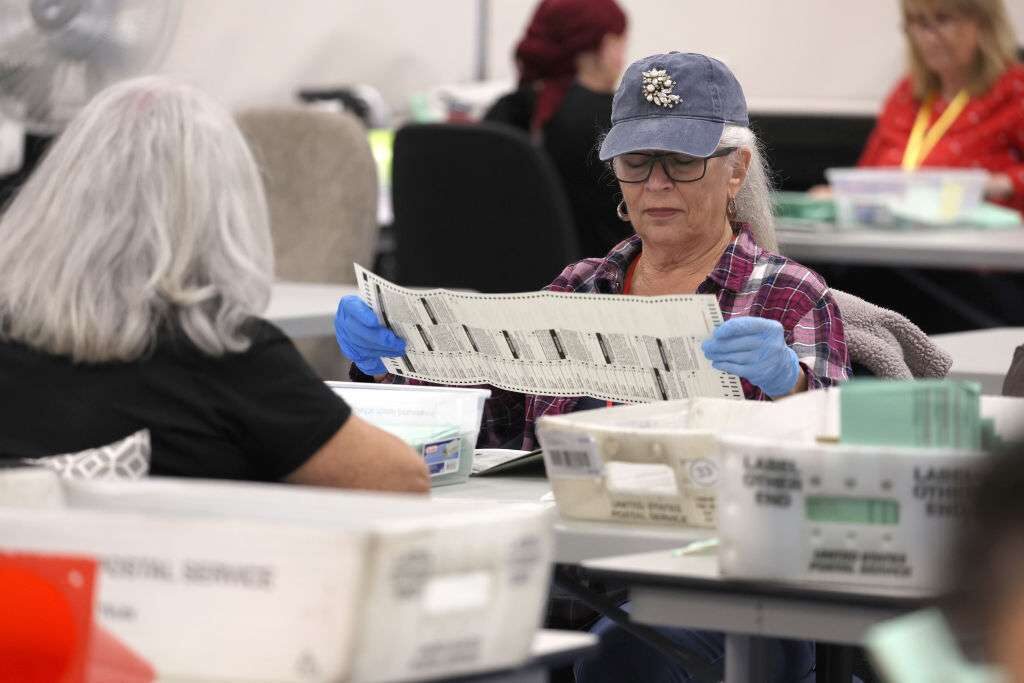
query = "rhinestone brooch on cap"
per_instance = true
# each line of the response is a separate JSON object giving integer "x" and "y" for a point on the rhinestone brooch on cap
{"x": 657, "y": 88}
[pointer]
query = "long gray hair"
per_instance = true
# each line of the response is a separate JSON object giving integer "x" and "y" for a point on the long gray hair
{"x": 147, "y": 215}
{"x": 754, "y": 200}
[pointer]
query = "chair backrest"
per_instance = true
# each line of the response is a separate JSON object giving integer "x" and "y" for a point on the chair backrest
{"x": 477, "y": 206}
{"x": 800, "y": 147}
{"x": 321, "y": 186}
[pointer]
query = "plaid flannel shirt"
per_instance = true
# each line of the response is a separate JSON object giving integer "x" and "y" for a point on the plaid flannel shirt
{"x": 747, "y": 281}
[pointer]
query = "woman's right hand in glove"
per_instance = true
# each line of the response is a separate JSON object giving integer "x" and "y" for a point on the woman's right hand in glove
{"x": 362, "y": 339}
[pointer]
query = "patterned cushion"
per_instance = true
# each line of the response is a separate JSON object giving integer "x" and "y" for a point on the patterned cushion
{"x": 125, "y": 459}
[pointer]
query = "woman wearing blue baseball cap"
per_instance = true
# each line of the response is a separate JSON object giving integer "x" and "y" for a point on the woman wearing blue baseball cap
{"x": 695, "y": 190}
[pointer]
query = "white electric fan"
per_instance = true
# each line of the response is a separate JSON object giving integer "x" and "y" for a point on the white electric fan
{"x": 56, "y": 54}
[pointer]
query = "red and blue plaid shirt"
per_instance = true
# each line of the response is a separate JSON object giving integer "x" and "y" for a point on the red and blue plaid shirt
{"x": 748, "y": 280}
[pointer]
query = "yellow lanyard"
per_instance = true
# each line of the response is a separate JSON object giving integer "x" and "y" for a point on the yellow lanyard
{"x": 922, "y": 138}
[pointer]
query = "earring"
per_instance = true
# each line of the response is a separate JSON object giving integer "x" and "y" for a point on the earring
{"x": 730, "y": 208}
{"x": 622, "y": 211}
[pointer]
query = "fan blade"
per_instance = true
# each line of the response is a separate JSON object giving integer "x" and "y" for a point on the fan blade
{"x": 143, "y": 31}
{"x": 68, "y": 91}
{"x": 12, "y": 26}
{"x": 33, "y": 95}
{"x": 18, "y": 48}
{"x": 96, "y": 78}
{"x": 120, "y": 59}
{"x": 48, "y": 73}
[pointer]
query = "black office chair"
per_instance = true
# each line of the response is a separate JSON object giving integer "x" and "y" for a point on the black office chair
{"x": 800, "y": 147}
{"x": 477, "y": 206}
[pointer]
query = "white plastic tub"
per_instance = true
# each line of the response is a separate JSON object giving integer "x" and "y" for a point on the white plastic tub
{"x": 253, "y": 583}
{"x": 831, "y": 513}
{"x": 654, "y": 463}
{"x": 840, "y": 514}
{"x": 403, "y": 409}
{"x": 887, "y": 196}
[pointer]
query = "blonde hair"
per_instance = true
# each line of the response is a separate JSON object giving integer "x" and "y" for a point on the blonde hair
{"x": 147, "y": 216}
{"x": 997, "y": 45}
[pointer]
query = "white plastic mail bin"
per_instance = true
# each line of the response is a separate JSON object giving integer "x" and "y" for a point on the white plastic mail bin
{"x": 877, "y": 196}
{"x": 273, "y": 583}
{"x": 394, "y": 406}
{"x": 846, "y": 514}
{"x": 655, "y": 463}
{"x": 841, "y": 514}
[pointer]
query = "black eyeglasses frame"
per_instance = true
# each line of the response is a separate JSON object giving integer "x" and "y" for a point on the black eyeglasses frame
{"x": 659, "y": 158}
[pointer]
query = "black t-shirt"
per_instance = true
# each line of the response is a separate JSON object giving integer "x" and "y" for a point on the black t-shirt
{"x": 514, "y": 109}
{"x": 572, "y": 138}
{"x": 256, "y": 415}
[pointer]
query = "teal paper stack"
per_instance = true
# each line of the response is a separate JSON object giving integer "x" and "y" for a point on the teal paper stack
{"x": 916, "y": 414}
{"x": 919, "y": 648}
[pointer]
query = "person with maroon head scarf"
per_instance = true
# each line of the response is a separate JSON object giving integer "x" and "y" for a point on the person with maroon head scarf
{"x": 569, "y": 60}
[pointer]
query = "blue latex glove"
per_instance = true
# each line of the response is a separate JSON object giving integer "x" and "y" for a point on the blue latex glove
{"x": 755, "y": 349}
{"x": 362, "y": 338}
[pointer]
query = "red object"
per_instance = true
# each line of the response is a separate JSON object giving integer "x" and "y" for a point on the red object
{"x": 47, "y": 633}
{"x": 46, "y": 617}
{"x": 558, "y": 31}
{"x": 110, "y": 661}
{"x": 988, "y": 134}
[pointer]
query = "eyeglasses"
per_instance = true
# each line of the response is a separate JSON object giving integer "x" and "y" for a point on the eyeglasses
{"x": 637, "y": 166}
{"x": 929, "y": 23}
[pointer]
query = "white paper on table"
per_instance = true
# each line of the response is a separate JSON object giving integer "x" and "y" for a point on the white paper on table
{"x": 641, "y": 478}
{"x": 627, "y": 349}
{"x": 486, "y": 459}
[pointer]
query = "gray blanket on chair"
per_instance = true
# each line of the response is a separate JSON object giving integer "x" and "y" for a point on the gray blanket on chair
{"x": 888, "y": 344}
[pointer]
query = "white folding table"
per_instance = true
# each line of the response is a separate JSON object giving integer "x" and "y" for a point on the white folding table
{"x": 982, "y": 356}
{"x": 305, "y": 309}
{"x": 953, "y": 248}
{"x": 575, "y": 540}
{"x": 674, "y": 590}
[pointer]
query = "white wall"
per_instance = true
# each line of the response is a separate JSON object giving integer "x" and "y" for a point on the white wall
{"x": 261, "y": 51}
{"x": 820, "y": 55}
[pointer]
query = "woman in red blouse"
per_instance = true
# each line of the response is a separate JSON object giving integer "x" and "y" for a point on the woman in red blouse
{"x": 962, "y": 104}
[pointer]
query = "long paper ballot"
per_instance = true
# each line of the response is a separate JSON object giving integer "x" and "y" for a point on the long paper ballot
{"x": 628, "y": 349}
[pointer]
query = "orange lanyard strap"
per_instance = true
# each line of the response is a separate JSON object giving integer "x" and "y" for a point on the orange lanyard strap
{"x": 923, "y": 137}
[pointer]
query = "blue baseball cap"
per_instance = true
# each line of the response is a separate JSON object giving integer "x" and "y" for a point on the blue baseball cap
{"x": 675, "y": 102}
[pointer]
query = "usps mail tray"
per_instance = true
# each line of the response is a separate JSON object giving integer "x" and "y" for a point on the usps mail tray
{"x": 655, "y": 463}
{"x": 266, "y": 582}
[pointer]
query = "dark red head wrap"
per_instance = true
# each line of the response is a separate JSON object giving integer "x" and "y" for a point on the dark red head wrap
{"x": 557, "y": 33}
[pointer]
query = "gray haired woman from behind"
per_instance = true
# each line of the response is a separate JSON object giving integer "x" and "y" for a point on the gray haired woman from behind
{"x": 134, "y": 265}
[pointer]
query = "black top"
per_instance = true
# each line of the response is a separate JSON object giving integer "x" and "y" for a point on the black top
{"x": 256, "y": 415}
{"x": 514, "y": 109}
{"x": 572, "y": 138}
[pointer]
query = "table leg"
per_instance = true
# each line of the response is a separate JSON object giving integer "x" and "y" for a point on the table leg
{"x": 699, "y": 672}
{"x": 746, "y": 659}
{"x": 529, "y": 675}
{"x": 833, "y": 663}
